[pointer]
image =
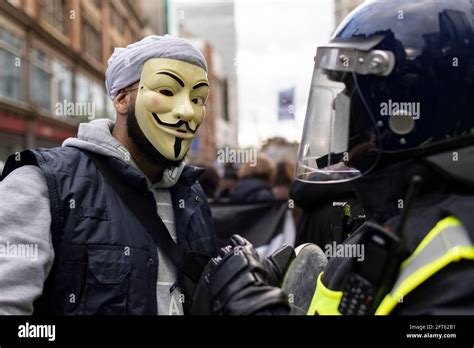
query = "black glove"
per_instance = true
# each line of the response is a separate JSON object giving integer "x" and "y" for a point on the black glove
{"x": 277, "y": 264}
{"x": 238, "y": 282}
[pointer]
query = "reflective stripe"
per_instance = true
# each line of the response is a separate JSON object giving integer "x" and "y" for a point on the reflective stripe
{"x": 325, "y": 301}
{"x": 444, "y": 241}
{"x": 447, "y": 242}
{"x": 440, "y": 226}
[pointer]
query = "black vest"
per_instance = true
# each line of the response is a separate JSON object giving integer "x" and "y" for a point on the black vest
{"x": 105, "y": 261}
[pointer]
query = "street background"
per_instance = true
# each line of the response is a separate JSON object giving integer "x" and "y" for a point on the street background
{"x": 53, "y": 54}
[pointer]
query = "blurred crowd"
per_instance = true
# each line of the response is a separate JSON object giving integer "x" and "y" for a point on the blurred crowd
{"x": 253, "y": 200}
{"x": 248, "y": 183}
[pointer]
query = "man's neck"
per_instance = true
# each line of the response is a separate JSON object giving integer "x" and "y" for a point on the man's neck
{"x": 151, "y": 171}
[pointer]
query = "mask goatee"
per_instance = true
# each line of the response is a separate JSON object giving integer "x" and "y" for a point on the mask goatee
{"x": 177, "y": 146}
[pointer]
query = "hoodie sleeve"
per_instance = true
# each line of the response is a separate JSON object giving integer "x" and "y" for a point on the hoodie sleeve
{"x": 26, "y": 250}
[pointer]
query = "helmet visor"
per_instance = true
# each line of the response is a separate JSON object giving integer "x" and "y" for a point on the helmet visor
{"x": 339, "y": 136}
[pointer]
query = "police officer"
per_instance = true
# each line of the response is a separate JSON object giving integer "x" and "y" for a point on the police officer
{"x": 390, "y": 110}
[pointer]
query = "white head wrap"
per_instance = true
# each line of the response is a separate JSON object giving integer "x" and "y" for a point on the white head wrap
{"x": 125, "y": 64}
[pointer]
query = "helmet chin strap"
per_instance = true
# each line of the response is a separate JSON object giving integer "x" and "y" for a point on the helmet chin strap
{"x": 458, "y": 163}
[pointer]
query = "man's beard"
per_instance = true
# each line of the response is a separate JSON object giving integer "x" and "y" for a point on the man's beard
{"x": 143, "y": 145}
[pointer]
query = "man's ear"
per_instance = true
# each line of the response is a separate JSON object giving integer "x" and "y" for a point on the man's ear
{"x": 121, "y": 103}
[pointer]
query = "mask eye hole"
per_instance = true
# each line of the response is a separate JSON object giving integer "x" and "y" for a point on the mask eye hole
{"x": 198, "y": 101}
{"x": 166, "y": 92}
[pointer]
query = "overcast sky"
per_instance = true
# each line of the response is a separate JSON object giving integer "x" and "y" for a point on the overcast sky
{"x": 276, "y": 44}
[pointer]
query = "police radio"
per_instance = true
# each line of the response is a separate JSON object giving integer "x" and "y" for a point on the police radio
{"x": 371, "y": 279}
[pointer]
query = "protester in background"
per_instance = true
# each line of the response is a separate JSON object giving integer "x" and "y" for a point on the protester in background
{"x": 228, "y": 181}
{"x": 285, "y": 172}
{"x": 255, "y": 181}
{"x": 209, "y": 181}
{"x": 253, "y": 212}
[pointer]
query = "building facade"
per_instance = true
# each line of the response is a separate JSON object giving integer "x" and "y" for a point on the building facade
{"x": 53, "y": 57}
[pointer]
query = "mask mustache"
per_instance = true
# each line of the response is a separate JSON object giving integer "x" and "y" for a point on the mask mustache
{"x": 174, "y": 125}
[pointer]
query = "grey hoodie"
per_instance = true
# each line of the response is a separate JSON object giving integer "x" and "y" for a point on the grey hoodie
{"x": 26, "y": 250}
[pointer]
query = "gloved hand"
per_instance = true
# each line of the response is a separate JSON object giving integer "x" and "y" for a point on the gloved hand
{"x": 238, "y": 282}
{"x": 277, "y": 264}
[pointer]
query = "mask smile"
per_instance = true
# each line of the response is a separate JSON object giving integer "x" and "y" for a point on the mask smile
{"x": 188, "y": 131}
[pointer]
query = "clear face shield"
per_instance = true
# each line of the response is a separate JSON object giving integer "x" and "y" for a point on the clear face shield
{"x": 335, "y": 129}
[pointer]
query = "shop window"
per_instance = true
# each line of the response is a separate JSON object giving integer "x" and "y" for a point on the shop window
{"x": 41, "y": 79}
{"x": 117, "y": 20}
{"x": 91, "y": 40}
{"x": 92, "y": 98}
{"x": 10, "y": 65}
{"x": 63, "y": 82}
{"x": 54, "y": 12}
